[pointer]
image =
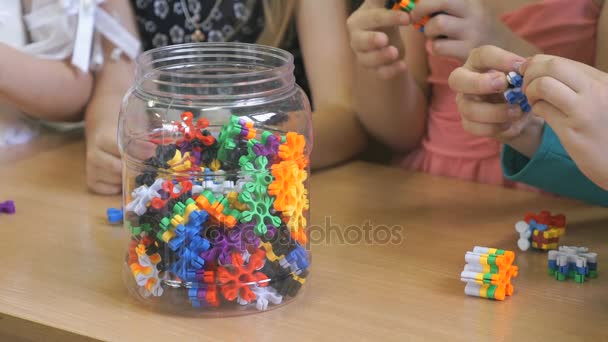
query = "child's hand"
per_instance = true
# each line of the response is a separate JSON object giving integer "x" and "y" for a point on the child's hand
{"x": 480, "y": 94}
{"x": 466, "y": 25}
{"x": 375, "y": 38}
{"x": 573, "y": 99}
{"x": 103, "y": 165}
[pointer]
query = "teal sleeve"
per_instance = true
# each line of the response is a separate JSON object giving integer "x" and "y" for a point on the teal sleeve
{"x": 551, "y": 169}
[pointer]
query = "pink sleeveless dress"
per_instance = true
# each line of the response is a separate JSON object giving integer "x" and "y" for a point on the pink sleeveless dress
{"x": 566, "y": 28}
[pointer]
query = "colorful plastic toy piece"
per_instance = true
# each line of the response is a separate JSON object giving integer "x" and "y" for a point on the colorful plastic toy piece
{"x": 146, "y": 273}
{"x": 259, "y": 174}
{"x": 408, "y": 6}
{"x": 286, "y": 175}
{"x": 298, "y": 259}
{"x": 228, "y": 241}
{"x": 237, "y": 280}
{"x": 7, "y": 207}
{"x": 114, "y": 215}
{"x": 293, "y": 149}
{"x": 238, "y": 127}
{"x": 514, "y": 95}
{"x": 263, "y": 296}
{"x": 203, "y": 295}
{"x": 218, "y": 208}
{"x": 540, "y": 231}
{"x": 260, "y": 211}
{"x": 141, "y": 196}
{"x": 297, "y": 220}
{"x": 192, "y": 131}
{"x": 572, "y": 262}
{"x": 488, "y": 273}
{"x": 268, "y": 147}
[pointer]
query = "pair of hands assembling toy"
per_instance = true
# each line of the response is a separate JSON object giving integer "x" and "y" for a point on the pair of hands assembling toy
{"x": 571, "y": 97}
{"x": 455, "y": 27}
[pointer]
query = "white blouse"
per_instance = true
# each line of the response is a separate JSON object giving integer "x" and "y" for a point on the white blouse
{"x": 57, "y": 30}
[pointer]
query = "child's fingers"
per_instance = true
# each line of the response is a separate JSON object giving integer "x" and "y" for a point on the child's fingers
{"x": 102, "y": 188}
{"x": 485, "y": 112}
{"x": 389, "y": 71}
{"x": 445, "y": 25}
{"x": 483, "y": 129}
{"x": 553, "y": 116}
{"x": 466, "y": 81}
{"x": 561, "y": 69}
{"x": 375, "y": 59}
{"x": 450, "y": 48}
{"x": 517, "y": 127}
{"x": 492, "y": 58}
{"x": 364, "y": 41}
{"x": 456, "y": 8}
{"x": 552, "y": 91}
{"x": 377, "y": 18}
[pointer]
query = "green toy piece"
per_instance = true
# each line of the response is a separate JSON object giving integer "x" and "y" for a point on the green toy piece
{"x": 260, "y": 175}
{"x": 260, "y": 211}
{"x": 226, "y": 139}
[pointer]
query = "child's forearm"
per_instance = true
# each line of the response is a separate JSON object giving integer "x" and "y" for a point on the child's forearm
{"x": 528, "y": 141}
{"x": 338, "y": 136}
{"x": 45, "y": 89}
{"x": 393, "y": 111}
{"x": 512, "y": 42}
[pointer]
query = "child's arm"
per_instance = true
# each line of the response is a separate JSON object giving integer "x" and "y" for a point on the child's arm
{"x": 390, "y": 99}
{"x": 103, "y": 166}
{"x": 552, "y": 170}
{"x": 467, "y": 24}
{"x": 338, "y": 134}
{"x": 45, "y": 89}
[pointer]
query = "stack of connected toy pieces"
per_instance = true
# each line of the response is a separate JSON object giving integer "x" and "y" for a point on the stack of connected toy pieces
{"x": 408, "y": 6}
{"x": 488, "y": 273}
{"x": 572, "y": 262}
{"x": 540, "y": 231}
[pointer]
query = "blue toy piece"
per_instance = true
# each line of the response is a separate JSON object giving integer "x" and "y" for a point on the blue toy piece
{"x": 299, "y": 257}
{"x": 115, "y": 216}
{"x": 188, "y": 244}
{"x": 514, "y": 95}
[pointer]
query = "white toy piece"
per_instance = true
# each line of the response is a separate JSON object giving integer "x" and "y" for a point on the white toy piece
{"x": 523, "y": 229}
{"x": 264, "y": 296}
{"x": 146, "y": 273}
{"x": 143, "y": 195}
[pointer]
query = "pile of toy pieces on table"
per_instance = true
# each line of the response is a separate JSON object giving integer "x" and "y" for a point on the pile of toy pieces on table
{"x": 232, "y": 234}
{"x": 572, "y": 262}
{"x": 488, "y": 272}
{"x": 540, "y": 231}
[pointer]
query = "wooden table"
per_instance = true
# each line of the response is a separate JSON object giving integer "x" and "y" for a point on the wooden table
{"x": 61, "y": 261}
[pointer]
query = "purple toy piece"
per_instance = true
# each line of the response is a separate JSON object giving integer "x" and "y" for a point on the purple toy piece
{"x": 7, "y": 207}
{"x": 270, "y": 148}
{"x": 227, "y": 241}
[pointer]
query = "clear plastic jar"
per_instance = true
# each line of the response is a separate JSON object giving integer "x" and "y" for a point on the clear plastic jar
{"x": 215, "y": 140}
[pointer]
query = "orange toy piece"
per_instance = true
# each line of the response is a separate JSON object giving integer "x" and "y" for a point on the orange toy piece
{"x": 293, "y": 149}
{"x": 218, "y": 208}
{"x": 283, "y": 187}
{"x": 145, "y": 272}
